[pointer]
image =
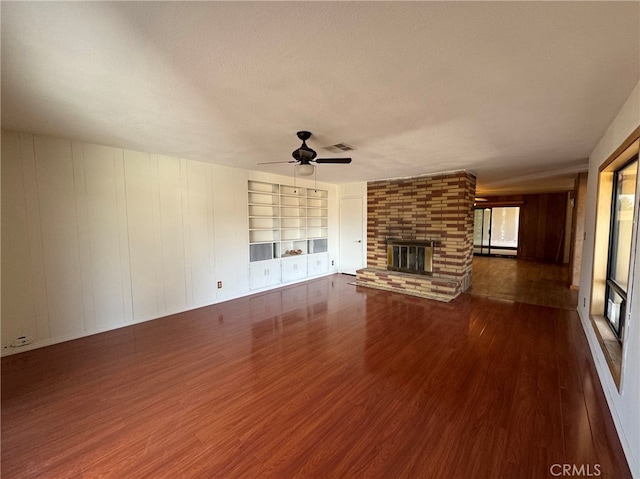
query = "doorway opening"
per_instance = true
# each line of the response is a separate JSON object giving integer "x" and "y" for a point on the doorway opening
{"x": 495, "y": 231}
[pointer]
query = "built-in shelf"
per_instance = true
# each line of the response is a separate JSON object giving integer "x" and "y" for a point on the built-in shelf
{"x": 293, "y": 219}
{"x": 288, "y": 224}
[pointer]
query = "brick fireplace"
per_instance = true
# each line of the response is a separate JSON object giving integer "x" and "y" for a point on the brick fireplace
{"x": 437, "y": 210}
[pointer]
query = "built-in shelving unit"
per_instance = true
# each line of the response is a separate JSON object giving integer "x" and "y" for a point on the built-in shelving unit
{"x": 293, "y": 221}
{"x": 264, "y": 220}
{"x": 289, "y": 224}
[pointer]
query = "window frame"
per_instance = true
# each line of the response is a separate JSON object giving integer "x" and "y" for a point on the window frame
{"x": 611, "y": 347}
{"x": 611, "y": 284}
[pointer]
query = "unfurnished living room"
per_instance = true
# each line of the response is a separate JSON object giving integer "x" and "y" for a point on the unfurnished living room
{"x": 320, "y": 240}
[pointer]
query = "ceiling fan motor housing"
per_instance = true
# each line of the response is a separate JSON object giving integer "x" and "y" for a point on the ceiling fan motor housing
{"x": 304, "y": 154}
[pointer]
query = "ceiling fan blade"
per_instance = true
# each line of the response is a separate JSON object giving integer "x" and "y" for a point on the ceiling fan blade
{"x": 275, "y": 162}
{"x": 342, "y": 161}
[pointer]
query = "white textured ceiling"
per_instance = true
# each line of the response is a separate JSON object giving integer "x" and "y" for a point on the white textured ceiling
{"x": 517, "y": 92}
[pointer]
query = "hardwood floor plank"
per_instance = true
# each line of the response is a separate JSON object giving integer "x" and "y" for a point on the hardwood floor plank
{"x": 321, "y": 379}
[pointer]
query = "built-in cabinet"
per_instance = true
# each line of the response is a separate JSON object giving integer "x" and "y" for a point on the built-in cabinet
{"x": 294, "y": 268}
{"x": 317, "y": 264}
{"x": 264, "y": 273}
{"x": 288, "y": 229}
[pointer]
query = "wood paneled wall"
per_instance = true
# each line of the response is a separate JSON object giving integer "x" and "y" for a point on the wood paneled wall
{"x": 580, "y": 204}
{"x": 542, "y": 224}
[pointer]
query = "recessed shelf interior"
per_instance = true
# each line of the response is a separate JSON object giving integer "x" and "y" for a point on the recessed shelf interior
{"x": 286, "y": 221}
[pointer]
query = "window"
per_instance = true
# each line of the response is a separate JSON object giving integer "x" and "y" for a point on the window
{"x": 621, "y": 229}
{"x": 614, "y": 251}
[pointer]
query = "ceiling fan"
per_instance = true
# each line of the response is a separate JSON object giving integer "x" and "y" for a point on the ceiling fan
{"x": 305, "y": 156}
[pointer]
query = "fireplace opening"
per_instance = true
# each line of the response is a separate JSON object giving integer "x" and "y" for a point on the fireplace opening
{"x": 410, "y": 256}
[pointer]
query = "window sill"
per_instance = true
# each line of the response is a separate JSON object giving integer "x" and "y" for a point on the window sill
{"x": 610, "y": 346}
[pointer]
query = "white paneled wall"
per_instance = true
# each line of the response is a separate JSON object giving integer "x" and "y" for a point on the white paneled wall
{"x": 229, "y": 209}
{"x": 143, "y": 226}
{"x": 60, "y": 239}
{"x": 16, "y": 257}
{"x": 199, "y": 241}
{"x": 171, "y": 222}
{"x": 102, "y": 234}
{"x": 96, "y": 237}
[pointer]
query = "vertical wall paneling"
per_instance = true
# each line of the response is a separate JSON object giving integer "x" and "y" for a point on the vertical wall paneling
{"x": 186, "y": 232}
{"x": 123, "y": 236}
{"x": 542, "y": 224}
{"x": 103, "y": 224}
{"x": 84, "y": 238}
{"x": 96, "y": 237}
{"x": 18, "y": 315}
{"x": 144, "y": 244}
{"x": 231, "y": 227}
{"x": 34, "y": 237}
{"x": 580, "y": 200}
{"x": 172, "y": 238}
{"x": 199, "y": 233}
{"x": 156, "y": 221}
{"x": 566, "y": 250}
{"x": 58, "y": 217}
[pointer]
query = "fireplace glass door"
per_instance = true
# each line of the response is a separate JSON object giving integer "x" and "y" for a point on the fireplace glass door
{"x": 410, "y": 256}
{"x": 495, "y": 231}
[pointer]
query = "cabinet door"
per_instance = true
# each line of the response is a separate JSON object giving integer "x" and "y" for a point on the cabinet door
{"x": 318, "y": 264}
{"x": 294, "y": 268}
{"x": 272, "y": 273}
{"x": 256, "y": 275}
{"x": 264, "y": 273}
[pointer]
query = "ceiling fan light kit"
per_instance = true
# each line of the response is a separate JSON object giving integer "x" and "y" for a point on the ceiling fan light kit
{"x": 305, "y": 169}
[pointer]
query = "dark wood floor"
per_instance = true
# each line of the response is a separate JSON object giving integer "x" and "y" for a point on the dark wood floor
{"x": 322, "y": 379}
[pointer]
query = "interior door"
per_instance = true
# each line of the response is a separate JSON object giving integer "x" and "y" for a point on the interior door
{"x": 352, "y": 242}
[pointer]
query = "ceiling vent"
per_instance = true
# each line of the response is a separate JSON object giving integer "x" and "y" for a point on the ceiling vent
{"x": 338, "y": 148}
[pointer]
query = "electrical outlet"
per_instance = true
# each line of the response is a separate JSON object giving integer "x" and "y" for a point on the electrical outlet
{"x": 219, "y": 284}
{"x": 332, "y": 262}
{"x": 584, "y": 302}
{"x": 21, "y": 341}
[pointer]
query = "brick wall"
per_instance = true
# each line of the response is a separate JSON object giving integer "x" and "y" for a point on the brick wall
{"x": 438, "y": 208}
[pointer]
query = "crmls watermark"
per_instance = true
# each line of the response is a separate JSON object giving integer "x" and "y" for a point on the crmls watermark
{"x": 575, "y": 470}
